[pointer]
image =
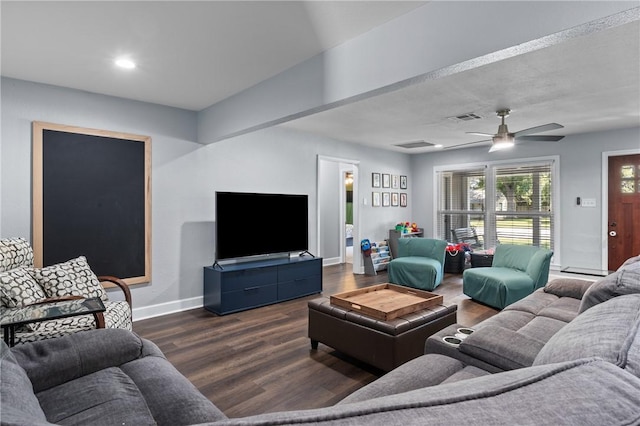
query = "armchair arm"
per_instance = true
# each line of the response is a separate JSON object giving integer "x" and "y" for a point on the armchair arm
{"x": 98, "y": 316}
{"x": 123, "y": 286}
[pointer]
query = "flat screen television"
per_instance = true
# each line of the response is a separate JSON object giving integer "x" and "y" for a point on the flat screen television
{"x": 252, "y": 224}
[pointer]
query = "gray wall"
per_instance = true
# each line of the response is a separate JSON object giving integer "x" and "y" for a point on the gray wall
{"x": 185, "y": 176}
{"x": 582, "y": 237}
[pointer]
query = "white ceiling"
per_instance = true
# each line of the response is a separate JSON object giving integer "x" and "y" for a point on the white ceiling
{"x": 193, "y": 54}
{"x": 586, "y": 84}
{"x": 190, "y": 54}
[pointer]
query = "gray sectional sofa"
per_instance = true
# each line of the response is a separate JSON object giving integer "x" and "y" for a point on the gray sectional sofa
{"x": 567, "y": 354}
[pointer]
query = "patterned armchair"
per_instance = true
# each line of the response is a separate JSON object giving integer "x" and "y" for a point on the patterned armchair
{"x": 21, "y": 284}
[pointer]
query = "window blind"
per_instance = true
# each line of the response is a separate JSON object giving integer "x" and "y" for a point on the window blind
{"x": 504, "y": 203}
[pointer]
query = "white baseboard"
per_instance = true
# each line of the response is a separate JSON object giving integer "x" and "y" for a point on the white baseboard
{"x": 167, "y": 308}
{"x": 330, "y": 261}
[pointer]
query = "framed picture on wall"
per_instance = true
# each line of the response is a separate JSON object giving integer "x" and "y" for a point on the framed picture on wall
{"x": 386, "y": 199}
{"x": 403, "y": 182}
{"x": 394, "y": 199}
{"x": 375, "y": 199}
{"x": 375, "y": 180}
{"x": 403, "y": 199}
{"x": 394, "y": 181}
{"x": 386, "y": 180}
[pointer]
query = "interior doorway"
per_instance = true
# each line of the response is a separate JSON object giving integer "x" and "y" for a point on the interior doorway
{"x": 348, "y": 219}
{"x": 332, "y": 212}
{"x": 623, "y": 209}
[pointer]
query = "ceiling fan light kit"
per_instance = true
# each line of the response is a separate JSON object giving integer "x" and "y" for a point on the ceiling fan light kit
{"x": 504, "y": 140}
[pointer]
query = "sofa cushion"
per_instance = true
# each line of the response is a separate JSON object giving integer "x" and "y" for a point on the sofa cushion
{"x": 609, "y": 330}
{"x": 414, "y": 374}
{"x": 171, "y": 398}
{"x": 19, "y": 404}
{"x": 71, "y": 278}
{"x": 105, "y": 397}
{"x": 502, "y": 347}
{"x": 625, "y": 280}
{"x": 15, "y": 253}
{"x": 49, "y": 363}
{"x": 535, "y": 303}
{"x": 18, "y": 287}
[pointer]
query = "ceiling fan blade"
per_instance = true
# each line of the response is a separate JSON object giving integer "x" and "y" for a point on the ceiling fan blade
{"x": 539, "y": 129}
{"x": 480, "y": 134}
{"x": 539, "y": 138}
{"x": 468, "y": 143}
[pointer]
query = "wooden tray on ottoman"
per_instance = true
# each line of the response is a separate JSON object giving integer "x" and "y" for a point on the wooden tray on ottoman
{"x": 386, "y": 301}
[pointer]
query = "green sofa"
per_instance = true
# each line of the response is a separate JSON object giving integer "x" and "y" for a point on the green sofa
{"x": 419, "y": 264}
{"x": 516, "y": 272}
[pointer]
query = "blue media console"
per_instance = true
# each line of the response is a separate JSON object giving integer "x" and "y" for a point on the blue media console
{"x": 241, "y": 286}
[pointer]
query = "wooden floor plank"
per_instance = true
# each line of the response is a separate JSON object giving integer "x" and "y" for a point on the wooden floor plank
{"x": 261, "y": 360}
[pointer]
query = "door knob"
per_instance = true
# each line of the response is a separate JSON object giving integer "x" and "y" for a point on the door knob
{"x": 613, "y": 233}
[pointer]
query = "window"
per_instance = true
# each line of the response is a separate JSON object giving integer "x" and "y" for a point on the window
{"x": 504, "y": 203}
{"x": 630, "y": 179}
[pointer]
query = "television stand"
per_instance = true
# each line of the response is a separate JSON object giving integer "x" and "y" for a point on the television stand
{"x": 248, "y": 285}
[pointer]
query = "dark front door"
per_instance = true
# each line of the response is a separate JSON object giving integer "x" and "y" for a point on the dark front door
{"x": 624, "y": 209}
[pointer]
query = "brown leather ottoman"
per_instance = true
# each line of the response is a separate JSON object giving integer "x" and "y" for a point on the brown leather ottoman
{"x": 382, "y": 344}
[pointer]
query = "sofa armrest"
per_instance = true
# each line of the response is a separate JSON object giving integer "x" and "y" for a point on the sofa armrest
{"x": 51, "y": 362}
{"x": 501, "y": 347}
{"x": 568, "y": 287}
{"x": 120, "y": 283}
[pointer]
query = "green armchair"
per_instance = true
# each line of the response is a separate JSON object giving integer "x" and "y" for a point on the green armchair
{"x": 516, "y": 272}
{"x": 419, "y": 264}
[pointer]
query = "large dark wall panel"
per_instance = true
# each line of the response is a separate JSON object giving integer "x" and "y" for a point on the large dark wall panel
{"x": 91, "y": 197}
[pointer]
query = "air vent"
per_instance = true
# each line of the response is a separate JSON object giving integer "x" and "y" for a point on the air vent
{"x": 416, "y": 144}
{"x": 466, "y": 117}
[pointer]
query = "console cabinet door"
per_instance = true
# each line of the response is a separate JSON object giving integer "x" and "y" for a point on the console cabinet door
{"x": 299, "y": 279}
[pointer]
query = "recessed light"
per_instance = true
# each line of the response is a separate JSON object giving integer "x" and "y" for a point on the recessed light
{"x": 439, "y": 145}
{"x": 125, "y": 63}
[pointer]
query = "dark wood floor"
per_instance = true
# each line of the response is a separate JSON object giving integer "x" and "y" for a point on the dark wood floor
{"x": 261, "y": 360}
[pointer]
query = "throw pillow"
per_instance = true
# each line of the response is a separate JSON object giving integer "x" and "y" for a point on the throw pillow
{"x": 624, "y": 281}
{"x": 71, "y": 278}
{"x": 14, "y": 253}
{"x": 18, "y": 288}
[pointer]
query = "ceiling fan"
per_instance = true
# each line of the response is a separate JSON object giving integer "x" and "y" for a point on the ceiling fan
{"x": 503, "y": 139}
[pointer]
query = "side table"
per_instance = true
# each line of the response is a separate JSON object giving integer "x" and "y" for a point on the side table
{"x": 480, "y": 259}
{"x": 11, "y": 318}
